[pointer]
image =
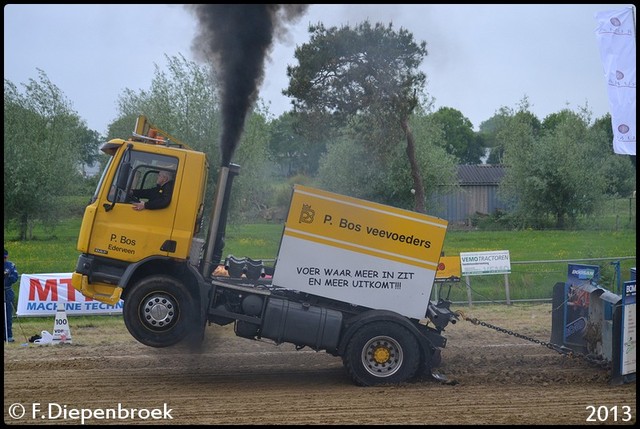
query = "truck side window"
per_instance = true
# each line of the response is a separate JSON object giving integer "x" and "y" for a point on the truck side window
{"x": 143, "y": 171}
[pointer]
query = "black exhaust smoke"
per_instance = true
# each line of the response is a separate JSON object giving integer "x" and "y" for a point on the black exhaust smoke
{"x": 238, "y": 38}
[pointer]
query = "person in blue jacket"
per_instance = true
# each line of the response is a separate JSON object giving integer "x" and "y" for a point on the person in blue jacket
{"x": 10, "y": 277}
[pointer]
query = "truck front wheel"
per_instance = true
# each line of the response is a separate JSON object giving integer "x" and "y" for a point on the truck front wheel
{"x": 382, "y": 353}
{"x": 159, "y": 311}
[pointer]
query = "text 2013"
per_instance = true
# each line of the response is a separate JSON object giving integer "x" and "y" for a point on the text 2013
{"x": 609, "y": 414}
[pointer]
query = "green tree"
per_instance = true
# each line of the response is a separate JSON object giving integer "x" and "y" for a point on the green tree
{"x": 460, "y": 140}
{"x": 252, "y": 189}
{"x": 348, "y": 167}
{"x": 45, "y": 143}
{"x": 556, "y": 174}
{"x": 368, "y": 77}
{"x": 494, "y": 126}
{"x": 182, "y": 100}
{"x": 90, "y": 141}
{"x": 297, "y": 142}
{"x": 442, "y": 179}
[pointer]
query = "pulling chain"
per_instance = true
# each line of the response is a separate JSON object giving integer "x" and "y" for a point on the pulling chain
{"x": 566, "y": 351}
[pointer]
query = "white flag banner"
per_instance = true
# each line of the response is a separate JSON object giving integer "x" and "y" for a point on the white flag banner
{"x": 616, "y": 37}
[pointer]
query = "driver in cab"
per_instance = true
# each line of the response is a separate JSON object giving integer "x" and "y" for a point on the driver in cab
{"x": 157, "y": 197}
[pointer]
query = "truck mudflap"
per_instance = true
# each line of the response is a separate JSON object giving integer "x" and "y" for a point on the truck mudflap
{"x": 436, "y": 358}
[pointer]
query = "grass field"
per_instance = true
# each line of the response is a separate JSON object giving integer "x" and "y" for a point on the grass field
{"x": 533, "y": 280}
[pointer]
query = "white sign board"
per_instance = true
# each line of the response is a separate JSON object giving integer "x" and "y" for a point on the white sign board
{"x": 482, "y": 263}
{"x": 359, "y": 252}
{"x": 40, "y": 294}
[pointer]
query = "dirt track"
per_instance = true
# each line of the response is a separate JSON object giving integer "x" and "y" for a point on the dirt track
{"x": 493, "y": 378}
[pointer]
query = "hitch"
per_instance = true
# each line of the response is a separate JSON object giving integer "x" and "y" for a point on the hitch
{"x": 440, "y": 314}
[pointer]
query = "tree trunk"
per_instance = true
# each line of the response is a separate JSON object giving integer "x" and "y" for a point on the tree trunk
{"x": 415, "y": 168}
{"x": 23, "y": 227}
{"x": 560, "y": 220}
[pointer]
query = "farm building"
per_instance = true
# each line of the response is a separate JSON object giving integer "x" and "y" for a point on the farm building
{"x": 477, "y": 194}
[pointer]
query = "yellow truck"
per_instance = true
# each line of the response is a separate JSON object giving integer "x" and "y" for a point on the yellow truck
{"x": 352, "y": 277}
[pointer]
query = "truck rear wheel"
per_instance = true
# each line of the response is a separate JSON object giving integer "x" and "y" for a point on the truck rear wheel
{"x": 159, "y": 311}
{"x": 382, "y": 353}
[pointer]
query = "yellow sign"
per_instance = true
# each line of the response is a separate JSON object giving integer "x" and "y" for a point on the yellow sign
{"x": 365, "y": 227}
{"x": 448, "y": 269}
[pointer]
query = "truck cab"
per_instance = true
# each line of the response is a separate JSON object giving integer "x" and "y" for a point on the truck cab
{"x": 116, "y": 241}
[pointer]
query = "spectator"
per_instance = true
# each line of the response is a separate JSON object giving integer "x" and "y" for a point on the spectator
{"x": 10, "y": 277}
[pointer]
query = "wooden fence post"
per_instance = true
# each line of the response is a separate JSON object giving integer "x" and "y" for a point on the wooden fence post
{"x": 506, "y": 288}
{"x": 468, "y": 283}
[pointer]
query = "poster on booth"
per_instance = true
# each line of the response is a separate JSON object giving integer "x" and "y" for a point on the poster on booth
{"x": 576, "y": 309}
{"x": 40, "y": 294}
{"x": 359, "y": 252}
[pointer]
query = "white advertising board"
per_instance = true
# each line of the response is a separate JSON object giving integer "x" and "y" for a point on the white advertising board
{"x": 359, "y": 252}
{"x": 40, "y": 294}
{"x": 482, "y": 263}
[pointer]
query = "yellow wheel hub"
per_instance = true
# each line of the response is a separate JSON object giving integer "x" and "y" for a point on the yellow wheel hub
{"x": 381, "y": 355}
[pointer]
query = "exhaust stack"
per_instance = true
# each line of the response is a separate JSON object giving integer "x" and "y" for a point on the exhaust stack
{"x": 219, "y": 214}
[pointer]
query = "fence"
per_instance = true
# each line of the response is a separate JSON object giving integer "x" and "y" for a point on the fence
{"x": 530, "y": 281}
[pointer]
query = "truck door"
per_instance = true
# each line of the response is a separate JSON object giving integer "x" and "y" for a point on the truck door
{"x": 122, "y": 233}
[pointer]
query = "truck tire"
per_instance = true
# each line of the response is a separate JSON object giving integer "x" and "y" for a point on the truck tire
{"x": 382, "y": 353}
{"x": 159, "y": 311}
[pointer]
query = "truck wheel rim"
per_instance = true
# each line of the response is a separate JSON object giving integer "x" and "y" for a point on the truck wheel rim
{"x": 158, "y": 311}
{"x": 382, "y": 356}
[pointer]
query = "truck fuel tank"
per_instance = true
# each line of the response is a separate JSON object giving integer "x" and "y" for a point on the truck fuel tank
{"x": 301, "y": 324}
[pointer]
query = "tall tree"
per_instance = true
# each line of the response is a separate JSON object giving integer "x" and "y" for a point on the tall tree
{"x": 368, "y": 72}
{"x": 556, "y": 174}
{"x": 44, "y": 147}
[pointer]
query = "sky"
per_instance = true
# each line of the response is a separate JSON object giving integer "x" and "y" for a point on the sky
{"x": 480, "y": 57}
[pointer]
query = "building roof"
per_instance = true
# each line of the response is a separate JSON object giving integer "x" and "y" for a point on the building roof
{"x": 480, "y": 174}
